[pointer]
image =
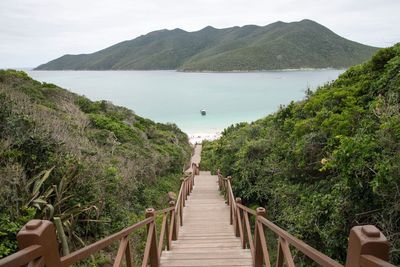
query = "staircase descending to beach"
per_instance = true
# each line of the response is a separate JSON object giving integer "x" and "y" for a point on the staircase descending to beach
{"x": 206, "y": 225}
{"x": 206, "y": 237}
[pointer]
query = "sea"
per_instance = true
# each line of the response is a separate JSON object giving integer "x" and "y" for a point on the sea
{"x": 178, "y": 97}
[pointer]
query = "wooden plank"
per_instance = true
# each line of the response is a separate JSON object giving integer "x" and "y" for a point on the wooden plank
{"x": 209, "y": 238}
{"x": 207, "y": 246}
{"x": 207, "y": 241}
{"x": 207, "y": 262}
{"x": 286, "y": 252}
{"x": 205, "y": 235}
{"x": 121, "y": 251}
{"x": 203, "y": 250}
{"x": 207, "y": 255}
{"x": 206, "y": 238}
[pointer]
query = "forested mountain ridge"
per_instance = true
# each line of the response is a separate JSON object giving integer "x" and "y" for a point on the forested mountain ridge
{"x": 95, "y": 165}
{"x": 280, "y": 45}
{"x": 326, "y": 163}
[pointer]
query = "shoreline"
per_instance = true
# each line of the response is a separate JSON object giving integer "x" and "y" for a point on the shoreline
{"x": 260, "y": 71}
{"x": 199, "y": 137}
{"x": 192, "y": 71}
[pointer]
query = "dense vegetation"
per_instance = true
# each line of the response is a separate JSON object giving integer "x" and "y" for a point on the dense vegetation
{"x": 304, "y": 44}
{"x": 95, "y": 165}
{"x": 327, "y": 163}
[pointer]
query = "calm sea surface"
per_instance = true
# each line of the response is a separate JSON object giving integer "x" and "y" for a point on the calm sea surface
{"x": 178, "y": 97}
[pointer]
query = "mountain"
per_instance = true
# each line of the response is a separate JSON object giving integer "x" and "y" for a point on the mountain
{"x": 96, "y": 165}
{"x": 324, "y": 164}
{"x": 280, "y": 45}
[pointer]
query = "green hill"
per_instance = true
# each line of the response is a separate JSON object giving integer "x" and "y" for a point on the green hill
{"x": 95, "y": 165}
{"x": 304, "y": 44}
{"x": 327, "y": 163}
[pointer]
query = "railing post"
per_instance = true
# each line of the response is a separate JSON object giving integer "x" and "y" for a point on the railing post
{"x": 227, "y": 189}
{"x": 184, "y": 194}
{"x": 219, "y": 179}
{"x": 183, "y": 198}
{"x": 181, "y": 205}
{"x": 366, "y": 240}
{"x": 153, "y": 255}
{"x": 189, "y": 181}
{"x": 221, "y": 182}
{"x": 173, "y": 221}
{"x": 192, "y": 183}
{"x": 229, "y": 198}
{"x": 258, "y": 250}
{"x": 237, "y": 217}
{"x": 195, "y": 169}
{"x": 43, "y": 233}
{"x": 187, "y": 188}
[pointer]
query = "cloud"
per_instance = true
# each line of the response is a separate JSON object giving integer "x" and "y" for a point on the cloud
{"x": 33, "y": 32}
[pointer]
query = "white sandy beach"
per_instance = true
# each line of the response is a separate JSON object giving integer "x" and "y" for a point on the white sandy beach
{"x": 197, "y": 138}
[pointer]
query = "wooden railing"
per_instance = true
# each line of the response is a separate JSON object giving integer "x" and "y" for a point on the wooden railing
{"x": 367, "y": 247}
{"x": 39, "y": 246}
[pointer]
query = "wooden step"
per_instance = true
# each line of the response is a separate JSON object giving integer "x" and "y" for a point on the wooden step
{"x": 206, "y": 238}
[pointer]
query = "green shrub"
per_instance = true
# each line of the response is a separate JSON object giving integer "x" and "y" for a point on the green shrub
{"x": 123, "y": 132}
{"x": 90, "y": 163}
{"x": 327, "y": 163}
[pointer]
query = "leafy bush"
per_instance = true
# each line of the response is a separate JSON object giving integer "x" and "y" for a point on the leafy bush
{"x": 92, "y": 164}
{"x": 327, "y": 163}
{"x": 123, "y": 132}
{"x": 10, "y": 228}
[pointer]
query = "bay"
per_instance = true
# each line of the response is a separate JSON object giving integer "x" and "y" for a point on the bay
{"x": 178, "y": 97}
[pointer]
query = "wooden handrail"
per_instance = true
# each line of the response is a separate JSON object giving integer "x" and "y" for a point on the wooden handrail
{"x": 39, "y": 245}
{"x": 85, "y": 252}
{"x": 368, "y": 247}
{"x": 361, "y": 238}
{"x": 166, "y": 210}
{"x": 312, "y": 253}
{"x": 23, "y": 256}
{"x": 372, "y": 261}
{"x": 248, "y": 210}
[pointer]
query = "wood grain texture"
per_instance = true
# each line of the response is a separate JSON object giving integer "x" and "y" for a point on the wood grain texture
{"x": 206, "y": 237}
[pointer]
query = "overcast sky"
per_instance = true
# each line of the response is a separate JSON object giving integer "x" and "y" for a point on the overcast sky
{"x": 36, "y": 31}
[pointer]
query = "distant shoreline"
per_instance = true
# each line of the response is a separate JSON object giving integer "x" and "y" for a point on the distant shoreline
{"x": 196, "y": 138}
{"x": 259, "y": 71}
{"x": 198, "y": 71}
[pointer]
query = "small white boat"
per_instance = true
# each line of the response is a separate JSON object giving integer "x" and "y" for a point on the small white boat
{"x": 203, "y": 112}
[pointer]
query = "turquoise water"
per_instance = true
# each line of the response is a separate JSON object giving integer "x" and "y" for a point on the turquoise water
{"x": 178, "y": 97}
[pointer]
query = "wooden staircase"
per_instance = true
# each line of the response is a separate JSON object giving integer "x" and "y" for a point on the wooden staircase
{"x": 205, "y": 226}
{"x": 206, "y": 237}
